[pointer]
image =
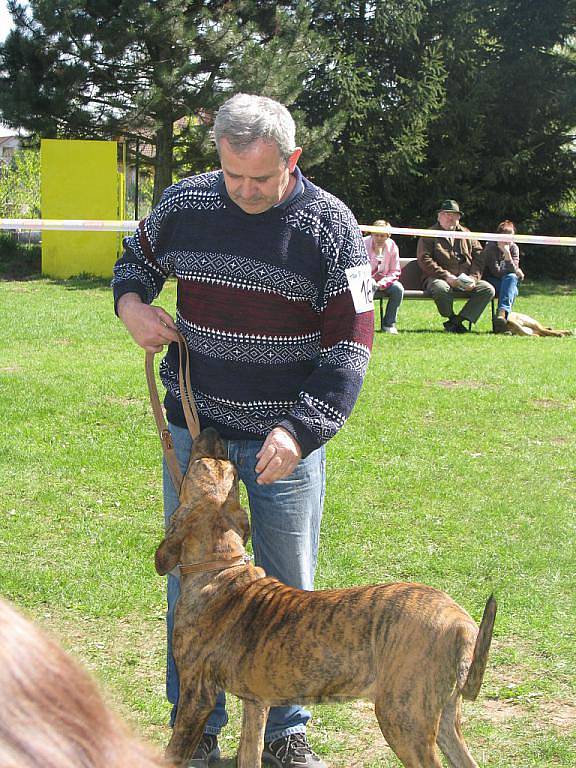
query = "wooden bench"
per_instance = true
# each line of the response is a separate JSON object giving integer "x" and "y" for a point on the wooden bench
{"x": 411, "y": 279}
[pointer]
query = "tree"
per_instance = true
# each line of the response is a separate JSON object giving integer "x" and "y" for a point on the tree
{"x": 393, "y": 89}
{"x": 103, "y": 68}
{"x": 452, "y": 98}
{"x": 503, "y": 143}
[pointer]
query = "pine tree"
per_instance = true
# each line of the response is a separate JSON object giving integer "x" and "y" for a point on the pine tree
{"x": 134, "y": 68}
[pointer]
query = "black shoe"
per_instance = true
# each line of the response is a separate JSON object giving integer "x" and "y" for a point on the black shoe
{"x": 455, "y": 325}
{"x": 206, "y": 752}
{"x": 500, "y": 323}
{"x": 291, "y": 751}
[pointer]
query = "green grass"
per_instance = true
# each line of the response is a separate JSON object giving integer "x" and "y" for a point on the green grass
{"x": 457, "y": 468}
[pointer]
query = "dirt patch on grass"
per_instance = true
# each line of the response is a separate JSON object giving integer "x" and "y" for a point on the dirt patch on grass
{"x": 462, "y": 384}
{"x": 547, "y": 403}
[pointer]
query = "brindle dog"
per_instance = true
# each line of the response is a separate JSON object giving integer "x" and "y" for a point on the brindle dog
{"x": 408, "y": 647}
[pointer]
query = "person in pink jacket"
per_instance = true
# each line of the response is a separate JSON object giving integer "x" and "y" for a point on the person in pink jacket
{"x": 385, "y": 263}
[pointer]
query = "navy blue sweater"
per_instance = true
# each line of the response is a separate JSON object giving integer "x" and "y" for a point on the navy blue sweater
{"x": 263, "y": 303}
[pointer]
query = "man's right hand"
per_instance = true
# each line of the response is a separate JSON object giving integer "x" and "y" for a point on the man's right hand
{"x": 452, "y": 281}
{"x": 150, "y": 327}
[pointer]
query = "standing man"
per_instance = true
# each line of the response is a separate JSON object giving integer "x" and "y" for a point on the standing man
{"x": 443, "y": 260}
{"x": 274, "y": 303}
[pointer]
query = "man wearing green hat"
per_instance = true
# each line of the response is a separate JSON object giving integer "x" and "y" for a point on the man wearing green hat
{"x": 452, "y": 267}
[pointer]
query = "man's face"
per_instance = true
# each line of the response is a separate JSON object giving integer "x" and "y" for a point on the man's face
{"x": 257, "y": 178}
{"x": 448, "y": 219}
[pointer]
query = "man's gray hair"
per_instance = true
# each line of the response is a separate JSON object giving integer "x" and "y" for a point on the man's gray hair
{"x": 245, "y": 118}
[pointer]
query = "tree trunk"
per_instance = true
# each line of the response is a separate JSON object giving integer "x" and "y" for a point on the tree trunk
{"x": 163, "y": 171}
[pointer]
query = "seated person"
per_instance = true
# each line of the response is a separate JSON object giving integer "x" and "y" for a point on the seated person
{"x": 443, "y": 260}
{"x": 52, "y": 713}
{"x": 502, "y": 270}
{"x": 385, "y": 263}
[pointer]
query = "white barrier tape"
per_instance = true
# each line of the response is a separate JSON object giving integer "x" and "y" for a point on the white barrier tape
{"x": 87, "y": 225}
{"x": 103, "y": 225}
{"x": 496, "y": 236}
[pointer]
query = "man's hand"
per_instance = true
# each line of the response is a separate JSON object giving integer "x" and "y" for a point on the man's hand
{"x": 150, "y": 327}
{"x": 278, "y": 456}
{"x": 452, "y": 281}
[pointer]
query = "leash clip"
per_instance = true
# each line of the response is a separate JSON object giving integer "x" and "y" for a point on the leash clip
{"x": 166, "y": 437}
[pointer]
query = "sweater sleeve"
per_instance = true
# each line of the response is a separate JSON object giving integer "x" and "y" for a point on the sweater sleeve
{"x": 330, "y": 392}
{"x": 137, "y": 270}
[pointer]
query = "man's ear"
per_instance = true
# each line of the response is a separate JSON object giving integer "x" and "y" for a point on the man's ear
{"x": 293, "y": 159}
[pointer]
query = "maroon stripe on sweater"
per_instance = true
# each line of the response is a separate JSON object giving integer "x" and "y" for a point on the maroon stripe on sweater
{"x": 342, "y": 323}
{"x": 243, "y": 311}
{"x": 146, "y": 249}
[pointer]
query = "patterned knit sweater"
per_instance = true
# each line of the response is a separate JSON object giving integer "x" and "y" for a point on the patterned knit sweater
{"x": 263, "y": 303}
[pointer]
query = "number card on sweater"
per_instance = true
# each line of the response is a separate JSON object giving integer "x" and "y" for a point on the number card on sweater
{"x": 360, "y": 282}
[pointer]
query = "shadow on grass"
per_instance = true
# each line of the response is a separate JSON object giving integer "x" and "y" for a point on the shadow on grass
{"x": 83, "y": 282}
{"x": 78, "y": 283}
{"x": 547, "y": 288}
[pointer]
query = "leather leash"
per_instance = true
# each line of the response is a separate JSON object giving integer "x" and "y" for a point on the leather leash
{"x": 188, "y": 405}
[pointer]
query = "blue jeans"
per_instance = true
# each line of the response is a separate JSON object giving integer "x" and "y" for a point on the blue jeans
{"x": 506, "y": 290}
{"x": 285, "y": 523}
{"x": 395, "y": 293}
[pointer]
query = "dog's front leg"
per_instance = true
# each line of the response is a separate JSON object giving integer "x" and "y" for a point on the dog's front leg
{"x": 188, "y": 727}
{"x": 254, "y": 717}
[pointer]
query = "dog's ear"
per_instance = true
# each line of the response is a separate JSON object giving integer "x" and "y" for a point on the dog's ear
{"x": 167, "y": 555}
{"x": 237, "y": 518}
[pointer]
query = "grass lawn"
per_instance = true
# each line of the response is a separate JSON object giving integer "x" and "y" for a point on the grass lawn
{"x": 457, "y": 468}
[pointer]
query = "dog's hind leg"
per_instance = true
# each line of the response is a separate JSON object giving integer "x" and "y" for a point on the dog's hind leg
{"x": 254, "y": 717}
{"x": 414, "y": 743}
{"x": 450, "y": 739}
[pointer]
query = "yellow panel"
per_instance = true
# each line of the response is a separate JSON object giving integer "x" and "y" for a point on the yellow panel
{"x": 79, "y": 180}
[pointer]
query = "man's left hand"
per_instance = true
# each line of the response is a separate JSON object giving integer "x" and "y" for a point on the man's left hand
{"x": 278, "y": 457}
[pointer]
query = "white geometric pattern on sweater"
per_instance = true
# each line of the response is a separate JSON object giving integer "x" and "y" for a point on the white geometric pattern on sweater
{"x": 320, "y": 417}
{"x": 186, "y": 194}
{"x": 133, "y": 272}
{"x": 248, "y": 347}
{"x": 346, "y": 354}
{"x": 332, "y": 225}
{"x": 247, "y": 274}
{"x": 259, "y": 416}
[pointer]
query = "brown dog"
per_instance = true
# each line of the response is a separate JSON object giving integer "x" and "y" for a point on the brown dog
{"x": 524, "y": 325}
{"x": 408, "y": 647}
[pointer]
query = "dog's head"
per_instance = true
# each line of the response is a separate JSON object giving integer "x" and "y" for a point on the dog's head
{"x": 209, "y": 518}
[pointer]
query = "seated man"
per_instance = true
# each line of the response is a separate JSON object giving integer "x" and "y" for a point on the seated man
{"x": 444, "y": 260}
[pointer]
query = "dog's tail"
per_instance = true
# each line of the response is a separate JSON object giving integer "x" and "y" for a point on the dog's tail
{"x": 470, "y": 688}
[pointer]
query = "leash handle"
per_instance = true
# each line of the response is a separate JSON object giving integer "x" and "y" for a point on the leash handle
{"x": 188, "y": 405}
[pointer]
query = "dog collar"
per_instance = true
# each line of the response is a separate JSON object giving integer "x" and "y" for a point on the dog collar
{"x": 214, "y": 565}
